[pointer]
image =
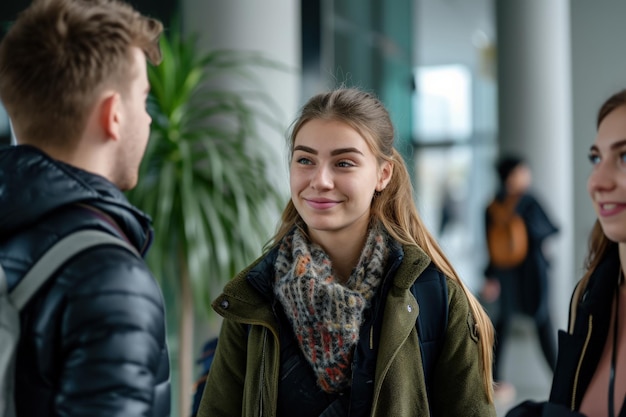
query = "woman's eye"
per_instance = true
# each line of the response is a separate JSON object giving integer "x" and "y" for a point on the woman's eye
{"x": 345, "y": 164}
{"x": 622, "y": 157}
{"x": 594, "y": 158}
{"x": 303, "y": 161}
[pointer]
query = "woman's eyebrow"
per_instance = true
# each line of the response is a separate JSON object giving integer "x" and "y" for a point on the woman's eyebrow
{"x": 305, "y": 149}
{"x": 345, "y": 150}
{"x": 615, "y": 145}
{"x": 618, "y": 144}
{"x": 333, "y": 152}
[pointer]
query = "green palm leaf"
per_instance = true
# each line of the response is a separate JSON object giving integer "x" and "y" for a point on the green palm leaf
{"x": 203, "y": 179}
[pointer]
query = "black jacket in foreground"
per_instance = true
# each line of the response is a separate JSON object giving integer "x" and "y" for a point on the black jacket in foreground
{"x": 581, "y": 347}
{"x": 93, "y": 339}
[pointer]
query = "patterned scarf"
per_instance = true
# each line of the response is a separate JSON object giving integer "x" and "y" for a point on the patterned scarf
{"x": 325, "y": 314}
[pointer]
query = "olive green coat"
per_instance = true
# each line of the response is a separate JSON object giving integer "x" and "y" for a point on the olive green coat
{"x": 243, "y": 380}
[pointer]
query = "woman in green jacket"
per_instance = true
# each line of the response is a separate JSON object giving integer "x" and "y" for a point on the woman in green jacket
{"x": 324, "y": 323}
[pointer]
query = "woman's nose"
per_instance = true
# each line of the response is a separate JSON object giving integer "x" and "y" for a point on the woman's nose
{"x": 602, "y": 177}
{"x": 322, "y": 178}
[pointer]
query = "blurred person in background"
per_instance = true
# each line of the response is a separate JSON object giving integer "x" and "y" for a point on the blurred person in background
{"x": 517, "y": 280}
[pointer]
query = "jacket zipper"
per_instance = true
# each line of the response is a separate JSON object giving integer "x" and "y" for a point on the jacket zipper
{"x": 580, "y": 362}
{"x": 262, "y": 371}
{"x": 383, "y": 298}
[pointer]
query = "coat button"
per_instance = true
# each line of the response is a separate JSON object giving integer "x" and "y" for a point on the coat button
{"x": 225, "y": 304}
{"x": 409, "y": 308}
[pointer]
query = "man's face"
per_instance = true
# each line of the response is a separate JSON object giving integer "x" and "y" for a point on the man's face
{"x": 135, "y": 124}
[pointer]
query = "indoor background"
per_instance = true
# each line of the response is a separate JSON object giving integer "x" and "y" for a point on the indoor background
{"x": 464, "y": 80}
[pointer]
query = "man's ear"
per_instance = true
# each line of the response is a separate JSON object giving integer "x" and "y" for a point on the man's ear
{"x": 110, "y": 115}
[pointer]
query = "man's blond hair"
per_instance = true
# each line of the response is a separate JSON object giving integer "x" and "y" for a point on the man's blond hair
{"x": 60, "y": 54}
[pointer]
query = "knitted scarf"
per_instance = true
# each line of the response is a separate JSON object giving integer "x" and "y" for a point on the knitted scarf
{"x": 325, "y": 314}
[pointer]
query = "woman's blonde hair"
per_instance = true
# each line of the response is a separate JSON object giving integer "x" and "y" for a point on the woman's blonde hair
{"x": 394, "y": 207}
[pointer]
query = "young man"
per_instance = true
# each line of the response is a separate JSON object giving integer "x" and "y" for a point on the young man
{"x": 74, "y": 83}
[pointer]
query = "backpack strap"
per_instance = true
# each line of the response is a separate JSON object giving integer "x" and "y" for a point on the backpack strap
{"x": 9, "y": 334}
{"x": 12, "y": 302}
{"x": 56, "y": 256}
{"x": 431, "y": 293}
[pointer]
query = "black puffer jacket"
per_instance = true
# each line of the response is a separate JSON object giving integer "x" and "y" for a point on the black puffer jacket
{"x": 93, "y": 338}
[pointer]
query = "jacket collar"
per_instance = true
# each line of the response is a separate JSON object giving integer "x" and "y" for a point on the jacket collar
{"x": 601, "y": 285}
{"x": 33, "y": 185}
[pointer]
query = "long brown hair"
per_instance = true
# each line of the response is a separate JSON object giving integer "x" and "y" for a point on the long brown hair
{"x": 394, "y": 207}
{"x": 598, "y": 243}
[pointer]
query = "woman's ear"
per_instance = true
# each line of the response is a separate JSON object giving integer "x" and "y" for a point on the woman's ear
{"x": 384, "y": 175}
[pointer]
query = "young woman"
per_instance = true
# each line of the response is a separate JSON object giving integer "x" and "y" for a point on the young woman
{"x": 324, "y": 323}
{"x": 590, "y": 376}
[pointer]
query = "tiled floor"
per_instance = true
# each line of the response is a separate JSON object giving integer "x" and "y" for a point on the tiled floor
{"x": 524, "y": 366}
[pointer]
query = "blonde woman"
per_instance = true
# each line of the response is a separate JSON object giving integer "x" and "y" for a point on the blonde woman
{"x": 324, "y": 323}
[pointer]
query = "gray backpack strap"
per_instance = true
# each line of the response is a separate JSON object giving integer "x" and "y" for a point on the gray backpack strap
{"x": 9, "y": 334}
{"x": 11, "y": 303}
{"x": 56, "y": 256}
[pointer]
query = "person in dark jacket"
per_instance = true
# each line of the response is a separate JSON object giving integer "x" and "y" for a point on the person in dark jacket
{"x": 324, "y": 322}
{"x": 590, "y": 376}
{"x": 73, "y": 79}
{"x": 523, "y": 287}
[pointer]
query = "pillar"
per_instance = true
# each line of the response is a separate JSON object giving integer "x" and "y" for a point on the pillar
{"x": 535, "y": 118}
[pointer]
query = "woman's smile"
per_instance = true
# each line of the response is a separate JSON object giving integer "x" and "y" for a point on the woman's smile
{"x": 321, "y": 203}
{"x": 610, "y": 209}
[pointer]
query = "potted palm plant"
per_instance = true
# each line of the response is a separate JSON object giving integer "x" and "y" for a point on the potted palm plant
{"x": 203, "y": 180}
